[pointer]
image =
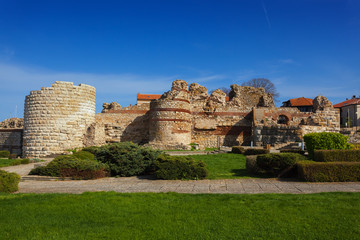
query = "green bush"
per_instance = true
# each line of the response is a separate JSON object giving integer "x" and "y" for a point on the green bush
{"x": 70, "y": 166}
{"x": 325, "y": 141}
{"x": 127, "y": 159}
{"x": 92, "y": 149}
{"x": 278, "y": 164}
{"x": 329, "y": 171}
{"x": 4, "y": 154}
{"x": 85, "y": 155}
{"x": 238, "y": 150}
{"x": 179, "y": 167}
{"x": 9, "y": 182}
{"x": 337, "y": 155}
{"x": 251, "y": 165}
{"x": 298, "y": 151}
{"x": 256, "y": 151}
{"x": 20, "y": 161}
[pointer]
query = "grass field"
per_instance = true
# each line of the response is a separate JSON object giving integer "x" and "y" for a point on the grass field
{"x": 4, "y": 162}
{"x": 179, "y": 216}
{"x": 225, "y": 166}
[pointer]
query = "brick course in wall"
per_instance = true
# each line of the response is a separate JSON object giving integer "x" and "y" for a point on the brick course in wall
{"x": 63, "y": 117}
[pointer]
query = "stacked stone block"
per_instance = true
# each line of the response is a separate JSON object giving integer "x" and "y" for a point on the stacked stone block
{"x": 56, "y": 118}
{"x": 170, "y": 118}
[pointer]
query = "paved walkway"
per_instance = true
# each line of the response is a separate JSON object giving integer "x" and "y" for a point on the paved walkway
{"x": 143, "y": 184}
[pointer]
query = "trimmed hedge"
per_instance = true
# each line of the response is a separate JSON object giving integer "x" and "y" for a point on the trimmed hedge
{"x": 4, "y": 154}
{"x": 329, "y": 171}
{"x": 251, "y": 165}
{"x": 9, "y": 182}
{"x": 179, "y": 167}
{"x": 278, "y": 164}
{"x": 256, "y": 151}
{"x": 238, "y": 150}
{"x": 127, "y": 159}
{"x": 70, "y": 166}
{"x": 20, "y": 161}
{"x": 337, "y": 155}
{"x": 298, "y": 151}
{"x": 325, "y": 141}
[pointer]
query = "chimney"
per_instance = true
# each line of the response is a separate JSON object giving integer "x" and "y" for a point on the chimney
{"x": 354, "y": 96}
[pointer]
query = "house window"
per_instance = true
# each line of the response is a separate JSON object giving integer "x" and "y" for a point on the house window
{"x": 282, "y": 119}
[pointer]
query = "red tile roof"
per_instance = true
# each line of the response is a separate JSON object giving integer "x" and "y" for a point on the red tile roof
{"x": 148, "y": 96}
{"x": 348, "y": 102}
{"x": 297, "y": 102}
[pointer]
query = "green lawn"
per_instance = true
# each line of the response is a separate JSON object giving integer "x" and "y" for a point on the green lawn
{"x": 180, "y": 216}
{"x": 6, "y": 162}
{"x": 225, "y": 166}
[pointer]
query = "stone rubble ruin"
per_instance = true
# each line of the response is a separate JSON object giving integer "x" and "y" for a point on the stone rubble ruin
{"x": 62, "y": 117}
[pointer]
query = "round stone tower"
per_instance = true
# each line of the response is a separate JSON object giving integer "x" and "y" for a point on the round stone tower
{"x": 170, "y": 118}
{"x": 56, "y": 118}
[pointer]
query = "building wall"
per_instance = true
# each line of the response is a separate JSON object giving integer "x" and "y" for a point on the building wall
{"x": 11, "y": 140}
{"x": 126, "y": 124}
{"x": 56, "y": 118}
{"x": 350, "y": 111}
{"x": 267, "y": 129}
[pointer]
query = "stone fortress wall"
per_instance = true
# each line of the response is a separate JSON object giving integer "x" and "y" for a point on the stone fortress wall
{"x": 11, "y": 135}
{"x": 56, "y": 117}
{"x": 63, "y": 117}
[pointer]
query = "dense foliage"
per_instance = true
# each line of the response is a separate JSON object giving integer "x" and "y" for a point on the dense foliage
{"x": 85, "y": 155}
{"x": 256, "y": 151}
{"x": 71, "y": 166}
{"x": 9, "y": 182}
{"x": 325, "y": 141}
{"x": 278, "y": 164}
{"x": 238, "y": 150}
{"x": 299, "y": 151}
{"x": 92, "y": 149}
{"x": 178, "y": 167}
{"x": 127, "y": 159}
{"x": 337, "y": 155}
{"x": 4, "y": 154}
{"x": 329, "y": 171}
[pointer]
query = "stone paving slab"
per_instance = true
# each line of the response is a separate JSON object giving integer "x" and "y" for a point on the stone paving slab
{"x": 231, "y": 186}
{"x": 33, "y": 184}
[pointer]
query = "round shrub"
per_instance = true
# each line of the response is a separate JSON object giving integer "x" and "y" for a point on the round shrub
{"x": 178, "y": 167}
{"x": 4, "y": 154}
{"x": 71, "y": 166}
{"x": 9, "y": 182}
{"x": 127, "y": 159}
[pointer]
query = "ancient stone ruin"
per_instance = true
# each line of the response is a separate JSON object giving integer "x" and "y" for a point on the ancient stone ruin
{"x": 62, "y": 117}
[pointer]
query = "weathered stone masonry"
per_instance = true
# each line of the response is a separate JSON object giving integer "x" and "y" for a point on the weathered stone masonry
{"x": 63, "y": 117}
{"x": 56, "y": 118}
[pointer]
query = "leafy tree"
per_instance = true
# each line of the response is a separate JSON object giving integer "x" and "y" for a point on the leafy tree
{"x": 264, "y": 83}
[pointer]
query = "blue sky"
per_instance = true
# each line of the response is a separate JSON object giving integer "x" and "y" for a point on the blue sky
{"x": 305, "y": 47}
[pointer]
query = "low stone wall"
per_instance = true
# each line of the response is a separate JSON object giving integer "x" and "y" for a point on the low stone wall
{"x": 11, "y": 140}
